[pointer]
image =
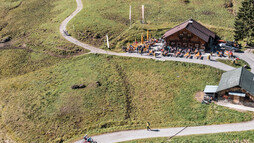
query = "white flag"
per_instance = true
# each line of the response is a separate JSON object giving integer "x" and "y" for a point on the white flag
{"x": 107, "y": 41}
{"x": 130, "y": 13}
{"x": 143, "y": 13}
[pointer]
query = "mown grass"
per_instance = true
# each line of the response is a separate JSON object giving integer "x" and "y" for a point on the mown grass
{"x": 240, "y": 63}
{"x": 41, "y": 106}
{"x": 232, "y": 137}
{"x": 99, "y": 18}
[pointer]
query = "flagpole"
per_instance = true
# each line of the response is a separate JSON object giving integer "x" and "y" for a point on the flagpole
{"x": 107, "y": 41}
{"x": 143, "y": 14}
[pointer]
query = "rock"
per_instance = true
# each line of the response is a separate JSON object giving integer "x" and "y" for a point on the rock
{"x": 228, "y": 4}
{"x": 5, "y": 39}
{"x": 98, "y": 83}
{"x": 78, "y": 86}
{"x": 75, "y": 87}
{"x": 82, "y": 86}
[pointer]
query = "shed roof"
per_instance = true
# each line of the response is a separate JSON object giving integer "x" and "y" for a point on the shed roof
{"x": 210, "y": 89}
{"x": 238, "y": 77}
{"x": 194, "y": 27}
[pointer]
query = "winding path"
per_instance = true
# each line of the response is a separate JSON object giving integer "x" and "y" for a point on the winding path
{"x": 247, "y": 56}
{"x": 166, "y": 132}
{"x": 101, "y": 51}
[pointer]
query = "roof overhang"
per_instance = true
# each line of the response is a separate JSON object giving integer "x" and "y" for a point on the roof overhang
{"x": 211, "y": 89}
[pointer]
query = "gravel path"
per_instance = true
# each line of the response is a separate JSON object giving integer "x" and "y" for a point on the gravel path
{"x": 247, "y": 56}
{"x": 167, "y": 132}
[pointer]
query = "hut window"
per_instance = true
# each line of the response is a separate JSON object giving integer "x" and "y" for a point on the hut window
{"x": 197, "y": 45}
{"x": 180, "y": 36}
{"x": 189, "y": 36}
{"x": 190, "y": 45}
{"x": 185, "y": 44}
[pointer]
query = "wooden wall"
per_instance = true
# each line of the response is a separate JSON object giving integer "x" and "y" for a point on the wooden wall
{"x": 236, "y": 100}
{"x": 185, "y": 41}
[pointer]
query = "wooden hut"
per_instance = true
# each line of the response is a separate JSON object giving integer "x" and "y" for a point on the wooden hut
{"x": 237, "y": 86}
{"x": 190, "y": 34}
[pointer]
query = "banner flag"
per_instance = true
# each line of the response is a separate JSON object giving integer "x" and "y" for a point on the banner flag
{"x": 130, "y": 13}
{"x": 107, "y": 41}
{"x": 143, "y": 13}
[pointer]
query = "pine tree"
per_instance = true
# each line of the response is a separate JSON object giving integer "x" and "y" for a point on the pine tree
{"x": 244, "y": 23}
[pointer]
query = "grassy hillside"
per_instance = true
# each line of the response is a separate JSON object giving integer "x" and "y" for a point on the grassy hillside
{"x": 41, "y": 106}
{"x": 14, "y": 62}
{"x": 37, "y": 103}
{"x": 99, "y": 18}
{"x": 35, "y": 24}
{"x": 240, "y": 63}
{"x": 234, "y": 137}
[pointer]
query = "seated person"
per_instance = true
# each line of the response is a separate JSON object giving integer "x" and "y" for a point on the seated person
{"x": 178, "y": 54}
{"x": 198, "y": 55}
{"x": 150, "y": 52}
{"x": 187, "y": 54}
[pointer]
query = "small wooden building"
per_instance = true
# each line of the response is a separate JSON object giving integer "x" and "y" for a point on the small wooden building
{"x": 237, "y": 86}
{"x": 190, "y": 34}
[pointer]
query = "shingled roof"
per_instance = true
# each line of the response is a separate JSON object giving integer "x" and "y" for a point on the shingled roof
{"x": 238, "y": 77}
{"x": 194, "y": 27}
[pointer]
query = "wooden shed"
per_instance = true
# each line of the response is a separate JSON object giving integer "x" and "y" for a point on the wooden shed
{"x": 237, "y": 86}
{"x": 190, "y": 34}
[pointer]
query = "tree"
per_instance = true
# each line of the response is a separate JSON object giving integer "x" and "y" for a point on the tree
{"x": 244, "y": 22}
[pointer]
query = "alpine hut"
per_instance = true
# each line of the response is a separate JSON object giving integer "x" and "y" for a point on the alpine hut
{"x": 190, "y": 34}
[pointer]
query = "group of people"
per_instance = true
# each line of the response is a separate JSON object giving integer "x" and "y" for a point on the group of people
{"x": 145, "y": 47}
{"x": 88, "y": 139}
{"x": 221, "y": 53}
{"x": 181, "y": 52}
{"x": 164, "y": 50}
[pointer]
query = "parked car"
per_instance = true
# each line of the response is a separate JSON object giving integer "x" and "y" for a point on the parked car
{"x": 228, "y": 47}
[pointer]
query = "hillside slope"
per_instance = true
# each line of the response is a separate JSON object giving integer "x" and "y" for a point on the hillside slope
{"x": 42, "y": 107}
{"x": 99, "y": 18}
{"x": 34, "y": 24}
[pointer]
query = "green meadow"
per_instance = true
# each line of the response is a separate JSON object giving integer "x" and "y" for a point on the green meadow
{"x": 238, "y": 64}
{"x": 41, "y": 106}
{"x": 38, "y": 68}
{"x": 34, "y": 24}
{"x": 101, "y": 17}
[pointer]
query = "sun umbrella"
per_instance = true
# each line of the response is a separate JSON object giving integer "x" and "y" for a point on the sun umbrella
{"x": 142, "y": 39}
{"x": 147, "y": 35}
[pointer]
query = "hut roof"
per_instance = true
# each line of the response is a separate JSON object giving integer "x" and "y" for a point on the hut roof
{"x": 194, "y": 27}
{"x": 238, "y": 77}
